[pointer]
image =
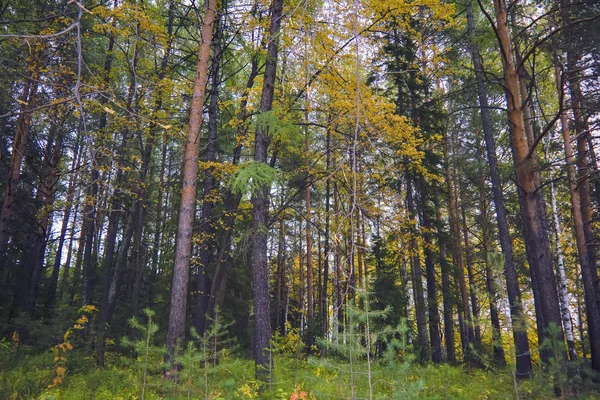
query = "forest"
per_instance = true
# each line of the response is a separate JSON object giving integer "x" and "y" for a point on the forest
{"x": 299, "y": 199}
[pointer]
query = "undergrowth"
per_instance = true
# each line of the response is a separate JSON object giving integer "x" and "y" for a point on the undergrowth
{"x": 211, "y": 368}
{"x": 29, "y": 376}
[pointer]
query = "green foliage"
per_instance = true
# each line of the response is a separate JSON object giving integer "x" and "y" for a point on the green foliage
{"x": 290, "y": 344}
{"x": 395, "y": 376}
{"x": 386, "y": 291}
{"x": 281, "y": 130}
{"x": 251, "y": 177}
{"x": 201, "y": 357}
{"x": 146, "y": 356}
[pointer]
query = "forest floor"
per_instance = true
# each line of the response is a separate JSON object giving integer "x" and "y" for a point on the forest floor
{"x": 72, "y": 375}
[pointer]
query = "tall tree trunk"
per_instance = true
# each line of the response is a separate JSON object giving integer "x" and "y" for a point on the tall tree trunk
{"x": 432, "y": 304}
{"x": 280, "y": 279}
{"x": 582, "y": 132}
{"x": 64, "y": 280}
{"x": 579, "y": 201}
{"x": 183, "y": 249}
{"x": 119, "y": 199}
{"x": 232, "y": 201}
{"x": 498, "y": 349}
{"x": 531, "y": 200}
{"x": 326, "y": 250}
{"x": 260, "y": 205}
{"x": 563, "y": 290}
{"x": 78, "y": 264}
{"x": 19, "y": 144}
{"x": 158, "y": 226}
{"x": 302, "y": 274}
{"x": 417, "y": 279}
{"x": 53, "y": 283}
{"x": 471, "y": 276}
{"x": 32, "y": 262}
{"x": 202, "y": 284}
{"x": 46, "y": 194}
{"x": 337, "y": 258}
{"x": 523, "y": 357}
{"x": 308, "y": 231}
{"x": 467, "y": 334}
{"x": 446, "y": 289}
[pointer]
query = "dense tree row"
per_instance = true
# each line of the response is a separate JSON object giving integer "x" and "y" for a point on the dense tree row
{"x": 280, "y": 162}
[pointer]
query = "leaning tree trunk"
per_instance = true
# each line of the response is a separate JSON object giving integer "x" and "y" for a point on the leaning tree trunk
{"x": 202, "y": 285}
{"x": 183, "y": 249}
{"x": 533, "y": 209}
{"x": 523, "y": 357}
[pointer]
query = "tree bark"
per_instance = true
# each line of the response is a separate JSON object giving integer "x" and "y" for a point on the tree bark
{"x": 202, "y": 284}
{"x": 53, "y": 283}
{"x": 579, "y": 202}
{"x": 471, "y": 276}
{"x": 309, "y": 262}
{"x": 523, "y": 357}
{"x": 260, "y": 205}
{"x": 14, "y": 169}
{"x": 326, "y": 250}
{"x": 446, "y": 290}
{"x": 232, "y": 201}
{"x": 432, "y": 305}
{"x": 498, "y": 349}
{"x": 417, "y": 279}
{"x": 533, "y": 210}
{"x": 464, "y": 314}
{"x": 183, "y": 249}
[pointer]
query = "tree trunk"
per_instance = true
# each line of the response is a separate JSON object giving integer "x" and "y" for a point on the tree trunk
{"x": 580, "y": 200}
{"x": 158, "y": 226}
{"x": 326, "y": 250}
{"x": 446, "y": 290}
{"x": 19, "y": 144}
{"x": 471, "y": 277}
{"x": 523, "y": 357}
{"x": 260, "y": 205}
{"x": 232, "y": 201}
{"x": 202, "y": 284}
{"x": 432, "y": 304}
{"x": 498, "y": 349}
{"x": 280, "y": 279}
{"x": 309, "y": 262}
{"x": 533, "y": 209}
{"x": 417, "y": 280}
{"x": 46, "y": 194}
{"x": 464, "y": 314}
{"x": 183, "y": 249}
{"x": 53, "y": 283}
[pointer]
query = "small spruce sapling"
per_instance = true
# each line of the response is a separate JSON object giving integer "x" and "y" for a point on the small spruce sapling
{"x": 201, "y": 357}
{"x": 149, "y": 358}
